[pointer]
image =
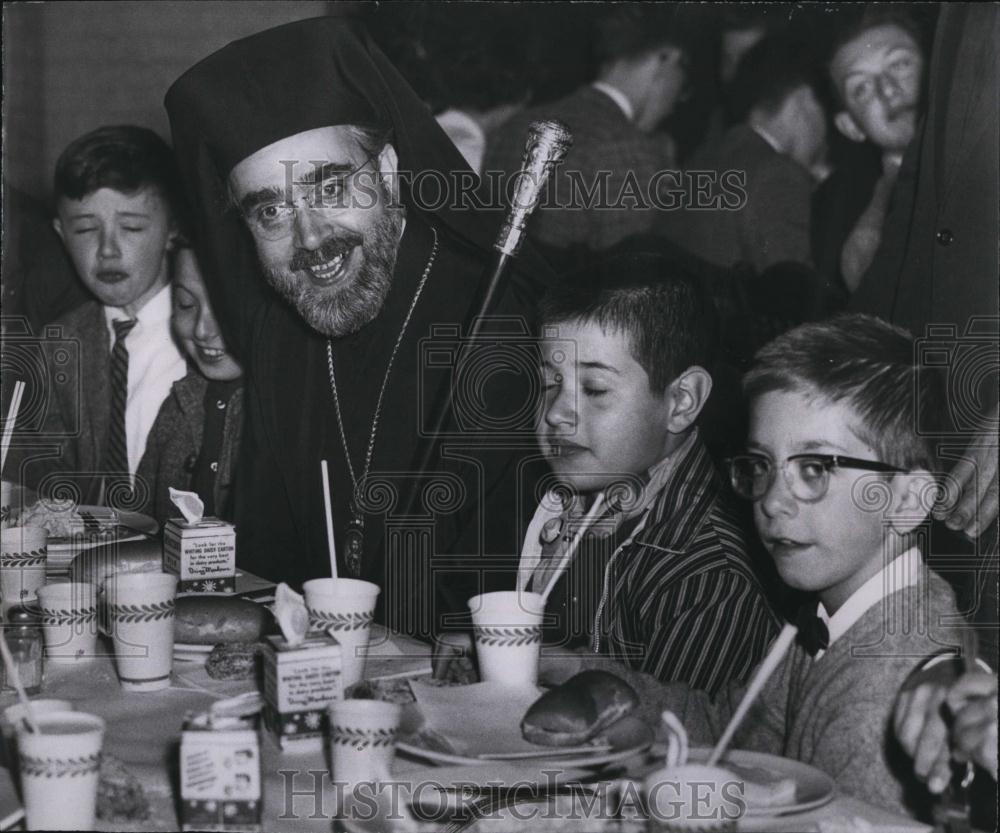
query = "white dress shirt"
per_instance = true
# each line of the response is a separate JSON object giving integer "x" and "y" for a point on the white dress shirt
{"x": 617, "y": 96}
{"x": 154, "y": 364}
{"x": 903, "y": 571}
{"x": 767, "y": 137}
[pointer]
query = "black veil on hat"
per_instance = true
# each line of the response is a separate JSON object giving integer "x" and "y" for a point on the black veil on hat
{"x": 300, "y": 76}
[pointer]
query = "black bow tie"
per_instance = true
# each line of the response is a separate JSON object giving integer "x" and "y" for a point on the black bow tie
{"x": 813, "y": 635}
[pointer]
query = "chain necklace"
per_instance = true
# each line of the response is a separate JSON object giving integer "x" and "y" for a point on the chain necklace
{"x": 354, "y": 537}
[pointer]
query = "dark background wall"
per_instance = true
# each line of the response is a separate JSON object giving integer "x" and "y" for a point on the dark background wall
{"x": 69, "y": 67}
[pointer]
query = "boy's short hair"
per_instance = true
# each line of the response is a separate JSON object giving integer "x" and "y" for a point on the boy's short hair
{"x": 871, "y": 365}
{"x": 771, "y": 71}
{"x": 652, "y": 300}
{"x": 630, "y": 30}
{"x": 125, "y": 158}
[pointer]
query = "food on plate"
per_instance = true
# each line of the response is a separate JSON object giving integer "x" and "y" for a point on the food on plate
{"x": 391, "y": 690}
{"x": 119, "y": 794}
{"x": 578, "y": 710}
{"x": 232, "y": 661}
{"x": 694, "y": 797}
{"x": 64, "y": 520}
{"x": 211, "y": 619}
{"x": 98, "y": 564}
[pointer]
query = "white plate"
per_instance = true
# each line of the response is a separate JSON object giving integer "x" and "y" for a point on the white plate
{"x": 134, "y": 526}
{"x": 813, "y": 790}
{"x": 813, "y": 787}
{"x": 448, "y": 787}
{"x": 581, "y": 761}
{"x": 467, "y": 724}
{"x": 183, "y": 652}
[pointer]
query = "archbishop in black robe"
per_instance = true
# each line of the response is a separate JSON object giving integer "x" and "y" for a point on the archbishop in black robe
{"x": 433, "y": 535}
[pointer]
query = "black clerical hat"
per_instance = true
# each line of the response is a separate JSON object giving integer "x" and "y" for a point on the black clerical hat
{"x": 311, "y": 73}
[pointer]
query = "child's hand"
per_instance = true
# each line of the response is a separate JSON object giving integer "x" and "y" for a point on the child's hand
{"x": 973, "y": 702}
{"x": 922, "y": 730}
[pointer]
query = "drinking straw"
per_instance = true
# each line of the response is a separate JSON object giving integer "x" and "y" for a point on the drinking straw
{"x": 15, "y": 677}
{"x": 330, "y": 545}
{"x": 571, "y": 549}
{"x": 771, "y": 661}
{"x": 8, "y": 428}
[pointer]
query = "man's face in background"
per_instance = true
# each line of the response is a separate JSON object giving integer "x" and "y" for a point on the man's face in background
{"x": 878, "y": 76}
{"x": 319, "y": 209}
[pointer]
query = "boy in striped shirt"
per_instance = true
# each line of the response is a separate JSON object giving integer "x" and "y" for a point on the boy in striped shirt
{"x": 646, "y": 560}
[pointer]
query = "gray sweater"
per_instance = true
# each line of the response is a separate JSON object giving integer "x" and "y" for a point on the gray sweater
{"x": 835, "y": 712}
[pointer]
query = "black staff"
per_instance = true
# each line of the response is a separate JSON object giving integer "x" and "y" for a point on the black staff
{"x": 547, "y": 143}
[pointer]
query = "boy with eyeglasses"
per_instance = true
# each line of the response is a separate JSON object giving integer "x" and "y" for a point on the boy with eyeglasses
{"x": 841, "y": 484}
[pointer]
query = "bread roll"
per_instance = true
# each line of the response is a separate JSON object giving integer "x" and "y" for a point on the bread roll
{"x": 97, "y": 564}
{"x": 579, "y": 709}
{"x": 211, "y": 619}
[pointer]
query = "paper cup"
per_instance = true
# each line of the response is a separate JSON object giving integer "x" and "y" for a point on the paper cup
{"x": 59, "y": 770}
{"x": 693, "y": 797}
{"x": 141, "y": 622}
{"x": 23, "y": 553}
{"x": 508, "y": 632}
{"x": 344, "y": 608}
{"x": 12, "y": 715}
{"x": 363, "y": 739}
{"x": 69, "y": 622}
{"x": 10, "y": 500}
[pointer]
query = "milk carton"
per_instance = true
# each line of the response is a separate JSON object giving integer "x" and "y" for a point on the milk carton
{"x": 220, "y": 774}
{"x": 202, "y": 554}
{"x": 299, "y": 684}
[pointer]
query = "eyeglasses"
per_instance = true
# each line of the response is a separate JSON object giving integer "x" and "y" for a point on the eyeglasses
{"x": 335, "y": 191}
{"x": 807, "y": 475}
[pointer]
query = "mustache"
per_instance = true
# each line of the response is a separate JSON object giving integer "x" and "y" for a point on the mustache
{"x": 331, "y": 248}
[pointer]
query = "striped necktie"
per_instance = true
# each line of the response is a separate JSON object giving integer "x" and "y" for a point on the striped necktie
{"x": 116, "y": 458}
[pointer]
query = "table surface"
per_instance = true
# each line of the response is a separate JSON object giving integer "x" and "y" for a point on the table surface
{"x": 144, "y": 730}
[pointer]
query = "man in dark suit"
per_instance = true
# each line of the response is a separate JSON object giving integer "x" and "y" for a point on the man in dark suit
{"x": 781, "y": 136}
{"x": 600, "y": 194}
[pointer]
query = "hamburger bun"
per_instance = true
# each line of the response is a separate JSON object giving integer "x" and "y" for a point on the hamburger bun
{"x": 96, "y": 565}
{"x": 578, "y": 710}
{"x": 213, "y": 619}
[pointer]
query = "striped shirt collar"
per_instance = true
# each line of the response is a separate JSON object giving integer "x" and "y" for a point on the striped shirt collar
{"x": 686, "y": 497}
{"x": 680, "y": 491}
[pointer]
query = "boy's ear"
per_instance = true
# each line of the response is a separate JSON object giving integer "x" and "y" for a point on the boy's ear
{"x": 58, "y": 226}
{"x": 174, "y": 239}
{"x": 913, "y": 496}
{"x": 687, "y": 395}
{"x": 846, "y": 125}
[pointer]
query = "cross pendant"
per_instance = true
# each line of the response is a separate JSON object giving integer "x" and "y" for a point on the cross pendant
{"x": 354, "y": 544}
